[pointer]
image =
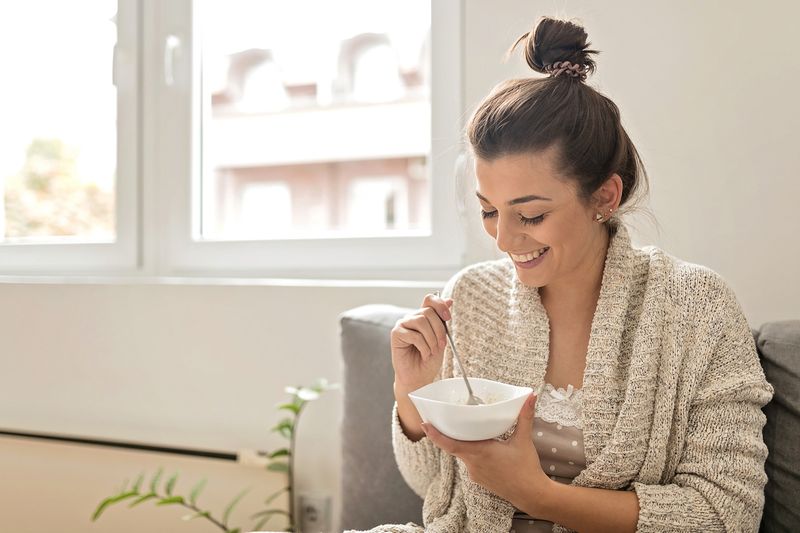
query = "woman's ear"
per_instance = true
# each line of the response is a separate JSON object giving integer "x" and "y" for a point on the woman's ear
{"x": 609, "y": 195}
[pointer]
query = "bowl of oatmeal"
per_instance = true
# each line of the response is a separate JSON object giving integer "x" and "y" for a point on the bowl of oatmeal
{"x": 443, "y": 404}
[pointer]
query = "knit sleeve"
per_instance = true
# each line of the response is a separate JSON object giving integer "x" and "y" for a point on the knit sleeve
{"x": 719, "y": 482}
{"x": 419, "y": 461}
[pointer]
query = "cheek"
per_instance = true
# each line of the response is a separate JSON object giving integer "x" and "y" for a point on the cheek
{"x": 490, "y": 226}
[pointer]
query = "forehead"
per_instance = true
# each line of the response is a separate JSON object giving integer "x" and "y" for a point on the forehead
{"x": 514, "y": 175}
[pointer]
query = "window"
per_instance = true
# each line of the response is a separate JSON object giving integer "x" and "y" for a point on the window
{"x": 69, "y": 96}
{"x": 273, "y": 134}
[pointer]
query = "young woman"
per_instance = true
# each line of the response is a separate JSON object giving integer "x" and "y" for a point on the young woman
{"x": 650, "y": 418}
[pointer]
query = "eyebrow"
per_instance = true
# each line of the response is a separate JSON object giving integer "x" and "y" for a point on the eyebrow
{"x": 522, "y": 200}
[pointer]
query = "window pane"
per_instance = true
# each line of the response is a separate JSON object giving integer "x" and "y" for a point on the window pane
{"x": 58, "y": 127}
{"x": 316, "y": 118}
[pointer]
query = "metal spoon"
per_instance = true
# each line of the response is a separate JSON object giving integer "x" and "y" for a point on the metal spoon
{"x": 472, "y": 400}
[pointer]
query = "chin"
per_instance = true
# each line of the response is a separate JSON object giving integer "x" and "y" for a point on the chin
{"x": 529, "y": 282}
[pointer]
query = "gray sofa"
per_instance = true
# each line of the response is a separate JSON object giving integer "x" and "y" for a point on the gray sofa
{"x": 373, "y": 492}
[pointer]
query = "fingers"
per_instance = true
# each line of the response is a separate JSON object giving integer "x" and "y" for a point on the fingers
{"x": 436, "y": 327}
{"x": 528, "y": 408}
{"x": 425, "y": 329}
{"x": 413, "y": 337}
{"x": 525, "y": 418}
{"x": 446, "y": 444}
{"x": 437, "y": 310}
{"x": 441, "y": 306}
{"x": 459, "y": 448}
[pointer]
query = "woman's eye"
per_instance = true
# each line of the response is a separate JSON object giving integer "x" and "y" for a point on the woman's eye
{"x": 527, "y": 221}
{"x": 531, "y": 221}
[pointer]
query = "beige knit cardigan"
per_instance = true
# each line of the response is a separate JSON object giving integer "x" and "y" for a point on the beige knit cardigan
{"x": 672, "y": 394}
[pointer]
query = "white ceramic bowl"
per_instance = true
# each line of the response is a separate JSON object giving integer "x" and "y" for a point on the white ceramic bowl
{"x": 443, "y": 404}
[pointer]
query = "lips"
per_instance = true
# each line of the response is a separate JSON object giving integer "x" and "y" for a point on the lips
{"x": 533, "y": 263}
{"x": 523, "y": 258}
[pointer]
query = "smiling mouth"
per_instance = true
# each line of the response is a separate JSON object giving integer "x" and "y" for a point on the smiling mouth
{"x": 525, "y": 258}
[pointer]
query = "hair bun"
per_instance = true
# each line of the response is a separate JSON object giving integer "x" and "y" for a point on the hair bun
{"x": 553, "y": 40}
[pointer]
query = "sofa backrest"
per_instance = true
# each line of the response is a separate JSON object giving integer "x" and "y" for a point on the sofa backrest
{"x": 373, "y": 491}
{"x": 778, "y": 346}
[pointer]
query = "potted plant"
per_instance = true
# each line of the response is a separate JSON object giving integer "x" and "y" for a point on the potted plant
{"x": 279, "y": 460}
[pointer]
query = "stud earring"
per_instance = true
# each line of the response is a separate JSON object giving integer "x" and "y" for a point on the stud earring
{"x": 599, "y": 218}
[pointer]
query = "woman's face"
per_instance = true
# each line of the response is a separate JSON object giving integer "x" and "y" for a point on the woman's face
{"x": 526, "y": 208}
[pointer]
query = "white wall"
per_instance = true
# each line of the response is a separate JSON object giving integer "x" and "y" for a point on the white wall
{"x": 199, "y": 366}
{"x": 706, "y": 91}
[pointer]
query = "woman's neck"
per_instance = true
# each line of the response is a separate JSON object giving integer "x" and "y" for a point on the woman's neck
{"x": 577, "y": 295}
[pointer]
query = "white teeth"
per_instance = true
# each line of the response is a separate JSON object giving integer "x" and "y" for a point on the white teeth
{"x": 529, "y": 257}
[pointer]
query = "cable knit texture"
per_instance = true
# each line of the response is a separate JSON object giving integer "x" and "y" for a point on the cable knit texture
{"x": 672, "y": 394}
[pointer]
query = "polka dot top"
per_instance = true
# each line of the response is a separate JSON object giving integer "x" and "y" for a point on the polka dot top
{"x": 558, "y": 436}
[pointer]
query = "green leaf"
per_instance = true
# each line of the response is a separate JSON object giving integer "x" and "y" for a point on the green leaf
{"x": 111, "y": 500}
{"x": 171, "y": 483}
{"x": 278, "y": 467}
{"x": 284, "y": 427}
{"x": 261, "y": 522}
{"x": 293, "y": 407}
{"x": 285, "y": 423}
{"x": 156, "y": 478}
{"x": 279, "y": 453}
{"x": 138, "y": 483}
{"x": 231, "y": 505}
{"x": 143, "y": 499}
{"x": 270, "y": 512}
{"x": 196, "y": 491}
{"x": 102, "y": 507}
{"x": 237, "y": 530}
{"x": 274, "y": 495}
{"x": 171, "y": 500}
{"x": 199, "y": 514}
{"x": 267, "y": 516}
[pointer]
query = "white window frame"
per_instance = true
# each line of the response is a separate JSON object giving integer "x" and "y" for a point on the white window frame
{"x": 121, "y": 255}
{"x": 173, "y": 178}
{"x": 158, "y": 174}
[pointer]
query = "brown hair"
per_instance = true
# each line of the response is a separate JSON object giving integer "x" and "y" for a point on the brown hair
{"x": 533, "y": 114}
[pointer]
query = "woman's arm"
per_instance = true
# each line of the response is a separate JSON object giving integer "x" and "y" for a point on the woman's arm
{"x": 585, "y": 509}
{"x": 418, "y": 461}
{"x": 409, "y": 419}
{"x": 417, "y": 458}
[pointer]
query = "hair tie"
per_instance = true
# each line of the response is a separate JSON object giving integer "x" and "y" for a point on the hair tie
{"x": 572, "y": 69}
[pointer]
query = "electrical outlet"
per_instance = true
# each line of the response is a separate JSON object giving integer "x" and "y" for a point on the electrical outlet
{"x": 315, "y": 513}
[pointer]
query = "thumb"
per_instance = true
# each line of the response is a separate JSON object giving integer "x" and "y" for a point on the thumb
{"x": 525, "y": 418}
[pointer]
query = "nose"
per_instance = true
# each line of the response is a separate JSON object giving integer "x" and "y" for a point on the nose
{"x": 507, "y": 236}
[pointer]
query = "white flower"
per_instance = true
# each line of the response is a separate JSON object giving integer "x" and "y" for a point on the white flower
{"x": 307, "y": 394}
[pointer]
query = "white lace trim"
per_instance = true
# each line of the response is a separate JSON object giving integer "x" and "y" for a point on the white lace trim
{"x": 560, "y": 406}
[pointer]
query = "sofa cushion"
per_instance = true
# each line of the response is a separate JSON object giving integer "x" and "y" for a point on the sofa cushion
{"x": 779, "y": 348}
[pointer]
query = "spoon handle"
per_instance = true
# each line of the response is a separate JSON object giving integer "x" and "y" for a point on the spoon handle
{"x": 455, "y": 354}
{"x": 458, "y": 359}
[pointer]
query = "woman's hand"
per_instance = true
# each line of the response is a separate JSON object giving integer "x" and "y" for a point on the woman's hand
{"x": 510, "y": 469}
{"x": 418, "y": 341}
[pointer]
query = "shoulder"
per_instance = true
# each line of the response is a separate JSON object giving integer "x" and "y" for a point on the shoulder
{"x": 696, "y": 290}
